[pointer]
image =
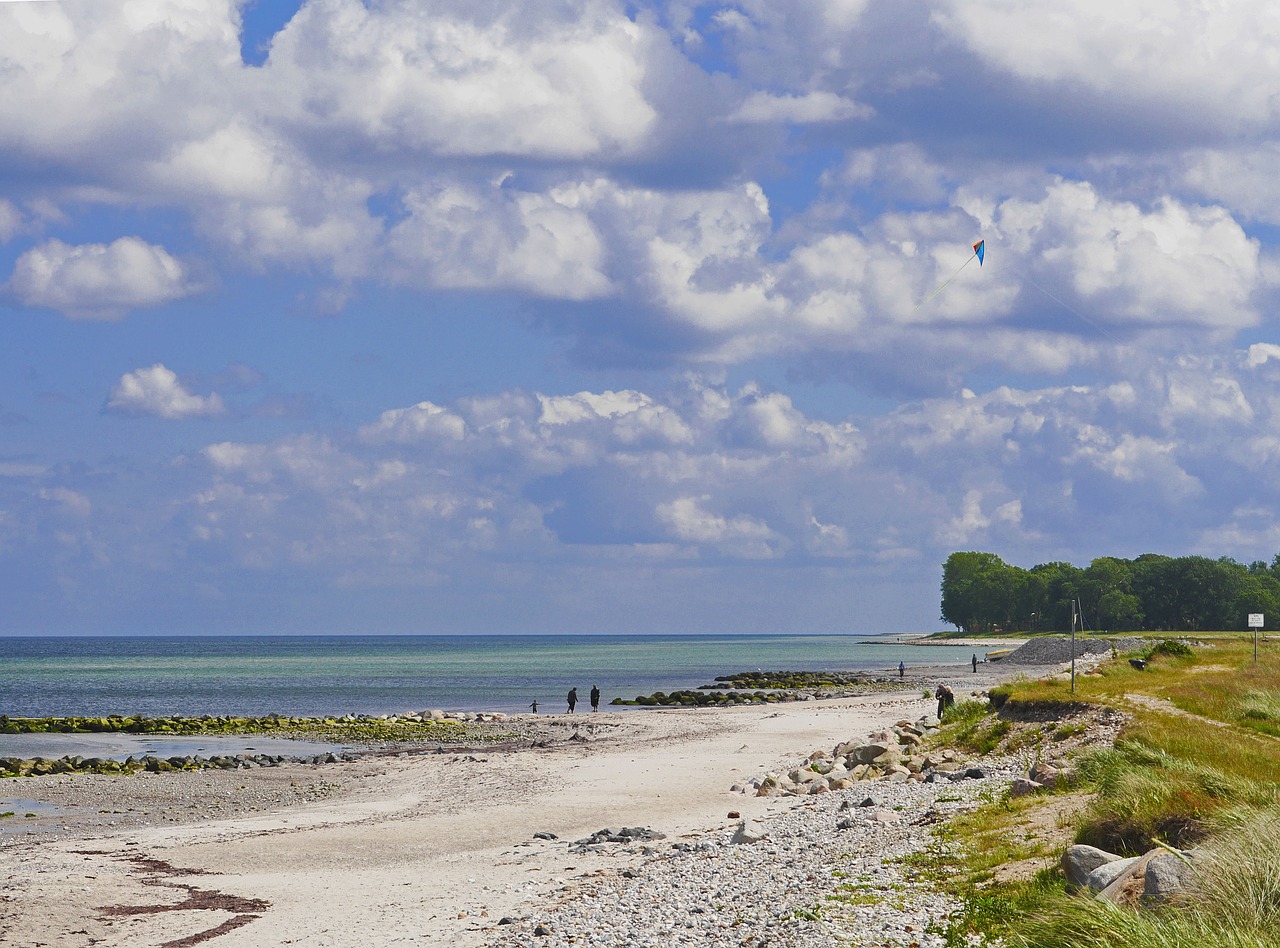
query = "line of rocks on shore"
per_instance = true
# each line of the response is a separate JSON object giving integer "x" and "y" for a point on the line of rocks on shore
{"x": 365, "y": 728}
{"x": 71, "y": 764}
{"x": 892, "y": 755}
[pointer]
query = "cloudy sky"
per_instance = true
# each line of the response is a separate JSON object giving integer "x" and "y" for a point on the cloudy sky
{"x": 605, "y": 316}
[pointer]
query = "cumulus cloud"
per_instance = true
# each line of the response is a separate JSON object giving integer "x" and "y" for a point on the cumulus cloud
{"x": 99, "y": 281}
{"x": 157, "y": 391}
{"x": 459, "y": 79}
{"x": 1200, "y": 62}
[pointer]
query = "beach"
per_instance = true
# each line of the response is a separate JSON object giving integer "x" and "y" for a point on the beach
{"x": 475, "y": 846}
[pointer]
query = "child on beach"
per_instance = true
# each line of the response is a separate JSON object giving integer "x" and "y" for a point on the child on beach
{"x": 534, "y": 705}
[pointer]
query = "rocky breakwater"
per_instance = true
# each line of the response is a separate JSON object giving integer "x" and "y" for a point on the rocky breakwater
{"x": 372, "y": 732}
{"x": 70, "y": 764}
{"x": 894, "y": 755}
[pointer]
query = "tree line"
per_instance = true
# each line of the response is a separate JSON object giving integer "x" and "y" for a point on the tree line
{"x": 982, "y": 593}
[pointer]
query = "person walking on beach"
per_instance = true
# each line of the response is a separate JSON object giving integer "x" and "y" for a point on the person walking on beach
{"x": 902, "y": 669}
{"x": 573, "y": 699}
{"x": 975, "y": 663}
{"x": 595, "y": 697}
{"x": 534, "y": 705}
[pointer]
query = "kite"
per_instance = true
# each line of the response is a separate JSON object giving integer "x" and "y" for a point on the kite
{"x": 979, "y": 251}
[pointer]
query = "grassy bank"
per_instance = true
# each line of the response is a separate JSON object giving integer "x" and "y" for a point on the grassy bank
{"x": 1196, "y": 764}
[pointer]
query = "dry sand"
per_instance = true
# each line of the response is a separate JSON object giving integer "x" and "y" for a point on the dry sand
{"x": 427, "y": 849}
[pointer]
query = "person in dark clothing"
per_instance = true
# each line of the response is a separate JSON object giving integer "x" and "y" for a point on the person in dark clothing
{"x": 945, "y": 699}
{"x": 902, "y": 669}
{"x": 595, "y": 697}
{"x": 534, "y": 705}
{"x": 975, "y": 663}
{"x": 573, "y": 699}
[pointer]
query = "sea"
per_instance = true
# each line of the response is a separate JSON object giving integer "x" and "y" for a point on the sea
{"x": 383, "y": 674}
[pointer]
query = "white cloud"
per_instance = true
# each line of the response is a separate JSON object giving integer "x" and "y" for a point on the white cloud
{"x": 811, "y": 108}
{"x": 10, "y": 221}
{"x": 157, "y": 391}
{"x": 1174, "y": 264}
{"x": 1198, "y": 60}
{"x": 458, "y": 79}
{"x": 99, "y": 281}
{"x": 419, "y": 422}
{"x": 469, "y": 238}
{"x": 740, "y": 535}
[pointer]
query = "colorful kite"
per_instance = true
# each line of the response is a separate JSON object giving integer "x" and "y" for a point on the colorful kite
{"x": 979, "y": 251}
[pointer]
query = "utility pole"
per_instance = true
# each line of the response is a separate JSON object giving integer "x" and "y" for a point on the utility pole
{"x": 1073, "y": 646}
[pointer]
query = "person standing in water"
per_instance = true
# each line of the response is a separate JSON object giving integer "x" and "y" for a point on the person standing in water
{"x": 595, "y": 697}
{"x": 573, "y": 699}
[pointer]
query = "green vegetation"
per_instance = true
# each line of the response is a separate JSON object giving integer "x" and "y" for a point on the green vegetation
{"x": 339, "y": 730}
{"x": 982, "y": 594}
{"x": 1197, "y": 764}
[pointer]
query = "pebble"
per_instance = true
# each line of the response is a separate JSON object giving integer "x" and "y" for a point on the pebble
{"x": 712, "y": 892}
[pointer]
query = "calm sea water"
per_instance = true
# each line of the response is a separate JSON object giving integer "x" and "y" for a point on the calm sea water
{"x": 311, "y": 675}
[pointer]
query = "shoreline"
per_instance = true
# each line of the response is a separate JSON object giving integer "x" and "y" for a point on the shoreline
{"x": 433, "y": 848}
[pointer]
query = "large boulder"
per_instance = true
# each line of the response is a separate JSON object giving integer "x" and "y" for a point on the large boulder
{"x": 1127, "y": 887}
{"x": 1080, "y": 860}
{"x": 1168, "y": 874}
{"x": 1108, "y": 873}
{"x": 877, "y": 753}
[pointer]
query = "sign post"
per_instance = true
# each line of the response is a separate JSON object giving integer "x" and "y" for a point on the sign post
{"x": 1255, "y": 623}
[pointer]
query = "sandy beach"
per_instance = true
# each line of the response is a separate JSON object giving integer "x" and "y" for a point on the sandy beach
{"x": 417, "y": 849}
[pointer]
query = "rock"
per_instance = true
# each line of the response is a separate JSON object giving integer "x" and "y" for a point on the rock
{"x": 1168, "y": 874}
{"x": 873, "y": 753}
{"x": 1045, "y": 773}
{"x": 1107, "y": 873}
{"x": 1021, "y": 787}
{"x": 1127, "y": 888}
{"x": 741, "y": 836}
{"x": 542, "y": 930}
{"x": 1080, "y": 860}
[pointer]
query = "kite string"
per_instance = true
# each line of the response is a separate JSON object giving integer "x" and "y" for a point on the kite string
{"x": 944, "y": 285}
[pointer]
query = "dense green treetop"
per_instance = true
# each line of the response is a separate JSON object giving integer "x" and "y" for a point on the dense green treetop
{"x": 982, "y": 593}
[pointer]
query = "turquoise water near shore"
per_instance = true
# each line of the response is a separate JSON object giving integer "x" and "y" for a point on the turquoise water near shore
{"x": 377, "y": 674}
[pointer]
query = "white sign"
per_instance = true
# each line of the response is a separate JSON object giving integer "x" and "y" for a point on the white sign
{"x": 1255, "y": 620}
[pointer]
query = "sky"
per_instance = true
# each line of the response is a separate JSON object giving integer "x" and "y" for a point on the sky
{"x": 562, "y": 316}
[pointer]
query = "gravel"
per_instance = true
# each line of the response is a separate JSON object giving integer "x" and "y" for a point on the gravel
{"x": 1049, "y": 650}
{"x": 805, "y": 883}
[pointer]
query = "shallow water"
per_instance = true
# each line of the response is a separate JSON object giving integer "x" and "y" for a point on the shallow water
{"x": 376, "y": 674}
{"x": 122, "y": 746}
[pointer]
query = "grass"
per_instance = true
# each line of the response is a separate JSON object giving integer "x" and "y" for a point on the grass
{"x": 1197, "y": 764}
{"x": 1233, "y": 903}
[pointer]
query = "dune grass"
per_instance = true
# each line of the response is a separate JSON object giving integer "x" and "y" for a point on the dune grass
{"x": 1196, "y": 765}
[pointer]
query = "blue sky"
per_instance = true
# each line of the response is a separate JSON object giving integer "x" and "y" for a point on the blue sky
{"x": 611, "y": 317}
